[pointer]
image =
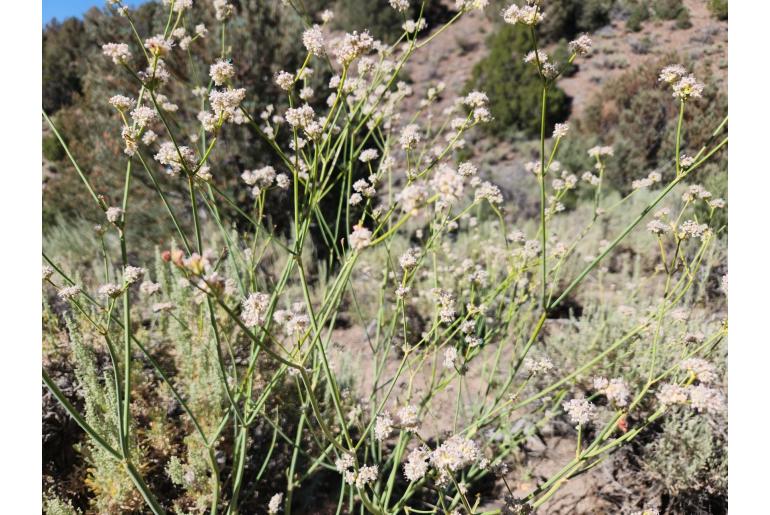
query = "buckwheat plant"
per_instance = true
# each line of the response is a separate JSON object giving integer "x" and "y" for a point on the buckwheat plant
{"x": 237, "y": 323}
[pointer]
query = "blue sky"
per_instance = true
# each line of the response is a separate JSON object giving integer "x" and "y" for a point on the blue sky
{"x": 61, "y": 9}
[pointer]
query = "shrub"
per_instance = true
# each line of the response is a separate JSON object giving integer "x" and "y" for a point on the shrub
{"x": 513, "y": 88}
{"x": 640, "y": 12}
{"x": 52, "y": 150}
{"x": 683, "y": 19}
{"x": 718, "y": 9}
{"x": 668, "y": 9}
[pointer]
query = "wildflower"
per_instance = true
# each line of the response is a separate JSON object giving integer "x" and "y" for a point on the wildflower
{"x": 466, "y": 169}
{"x": 455, "y": 453}
{"x": 221, "y": 72}
{"x": 658, "y": 227}
{"x": 450, "y": 356}
{"x": 468, "y": 5}
{"x": 411, "y": 197}
{"x": 149, "y": 288}
{"x": 201, "y": 30}
{"x": 688, "y": 87}
{"x": 383, "y": 426}
{"x": 700, "y": 369}
{"x": 352, "y": 46}
{"x": 581, "y": 46}
{"x": 224, "y": 103}
{"x": 401, "y": 292}
{"x": 580, "y": 411}
{"x": 410, "y": 137}
{"x": 162, "y": 306}
{"x": 409, "y": 258}
{"x": 599, "y": 151}
{"x": 149, "y": 137}
{"x": 411, "y": 26}
{"x": 590, "y": 178}
{"x": 400, "y": 5}
{"x": 526, "y": 15}
{"x": 47, "y": 272}
{"x": 695, "y": 191}
{"x": 489, "y": 192}
{"x": 369, "y": 154}
{"x": 175, "y": 158}
{"x": 114, "y": 214}
{"x": 416, "y": 465}
{"x": 672, "y": 73}
{"x": 313, "y": 39}
{"x": 285, "y": 80}
{"x": 537, "y": 366}
{"x": 703, "y": 398}
{"x": 121, "y": 102}
{"x": 447, "y": 183}
{"x": 262, "y": 177}
{"x": 671, "y": 394}
{"x": 327, "y": 16}
{"x": 69, "y": 292}
{"x": 560, "y": 130}
{"x": 692, "y": 229}
{"x": 143, "y": 115}
{"x": 406, "y": 417}
{"x": 132, "y": 274}
{"x": 476, "y": 99}
{"x": 615, "y": 390}
{"x": 686, "y": 161}
{"x": 306, "y": 93}
{"x": 343, "y": 463}
{"x": 222, "y": 9}
{"x": 301, "y": 116}
{"x": 536, "y": 56}
{"x": 360, "y": 238}
{"x": 118, "y": 52}
{"x": 366, "y": 474}
{"x": 293, "y": 321}
{"x": 253, "y": 309}
{"x": 158, "y": 45}
{"x": 110, "y": 290}
{"x": 274, "y": 505}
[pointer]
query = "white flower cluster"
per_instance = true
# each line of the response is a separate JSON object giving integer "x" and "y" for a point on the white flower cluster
{"x": 352, "y": 46}
{"x": 294, "y": 321}
{"x": 615, "y": 390}
{"x": 454, "y": 454}
{"x": 175, "y": 160}
{"x": 313, "y": 39}
{"x": 221, "y": 72}
{"x": 118, "y": 52}
{"x": 684, "y": 85}
{"x": 253, "y": 309}
{"x": 360, "y": 238}
{"x": 581, "y": 46}
{"x": 580, "y": 411}
{"x": 365, "y": 475}
{"x": 526, "y": 15}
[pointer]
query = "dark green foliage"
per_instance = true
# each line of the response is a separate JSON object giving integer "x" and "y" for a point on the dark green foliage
{"x": 62, "y": 63}
{"x": 668, "y": 9}
{"x": 382, "y": 21}
{"x": 683, "y": 19}
{"x": 265, "y": 35}
{"x": 637, "y": 115}
{"x": 639, "y": 14}
{"x": 718, "y": 9}
{"x": 514, "y": 87}
{"x": 52, "y": 150}
{"x": 563, "y": 18}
